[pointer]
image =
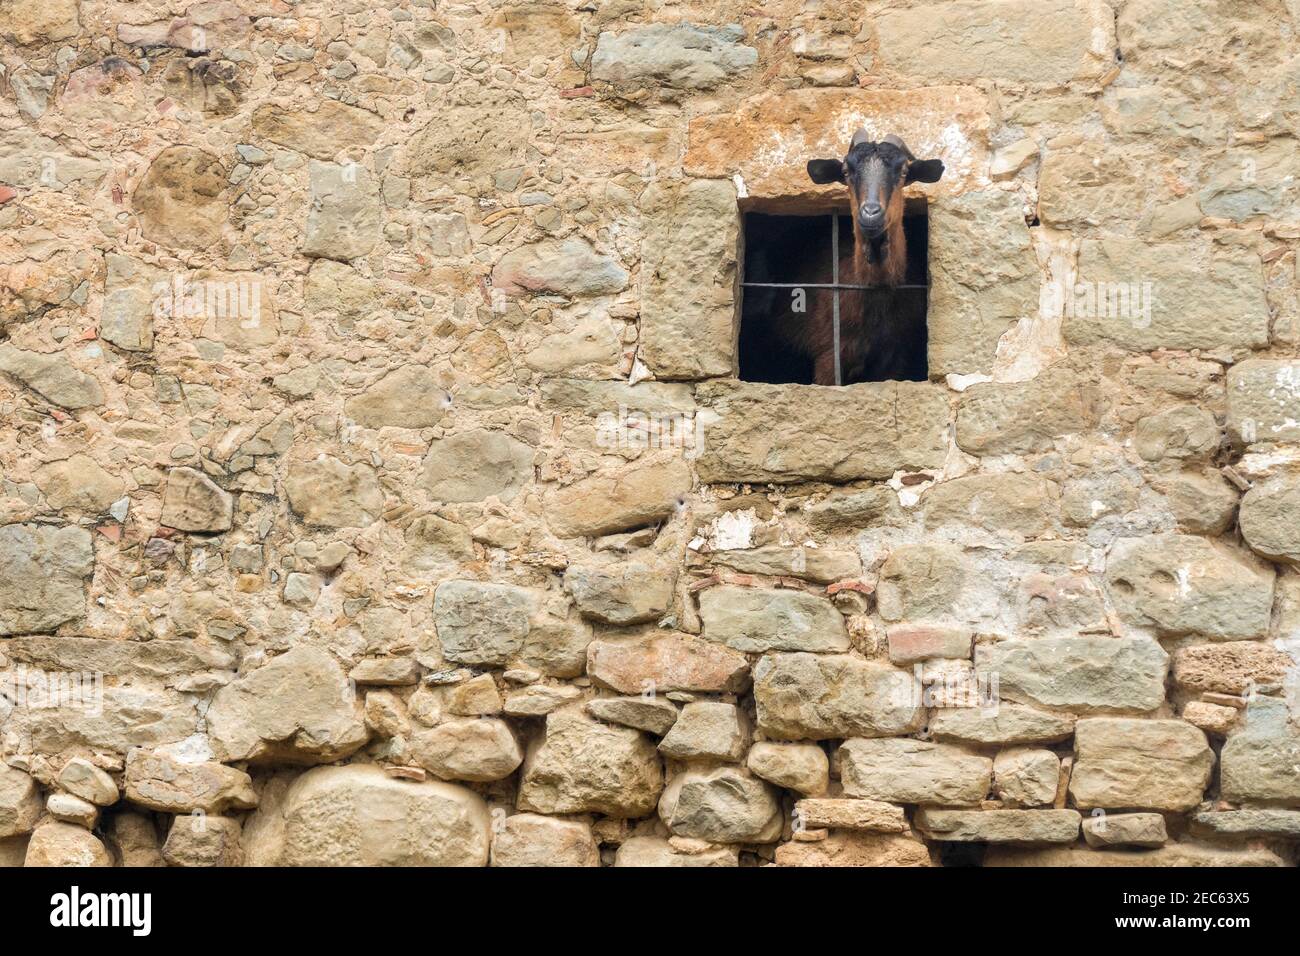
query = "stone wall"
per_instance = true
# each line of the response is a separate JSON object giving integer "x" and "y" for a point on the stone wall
{"x": 376, "y": 487}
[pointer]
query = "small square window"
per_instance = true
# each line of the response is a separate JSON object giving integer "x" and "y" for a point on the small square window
{"x": 797, "y": 286}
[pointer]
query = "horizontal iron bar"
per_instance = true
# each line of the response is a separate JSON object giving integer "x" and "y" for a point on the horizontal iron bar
{"x": 826, "y": 285}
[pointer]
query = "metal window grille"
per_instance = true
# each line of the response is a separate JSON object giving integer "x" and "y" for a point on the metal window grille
{"x": 836, "y": 287}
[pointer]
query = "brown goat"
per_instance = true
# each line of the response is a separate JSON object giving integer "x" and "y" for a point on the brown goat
{"x": 871, "y": 339}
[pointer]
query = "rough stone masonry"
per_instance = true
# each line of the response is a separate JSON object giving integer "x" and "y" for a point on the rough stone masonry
{"x": 376, "y": 485}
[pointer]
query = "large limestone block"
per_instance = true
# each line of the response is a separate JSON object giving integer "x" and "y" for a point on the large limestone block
{"x": 676, "y": 55}
{"x": 919, "y": 581}
{"x": 346, "y": 214}
{"x": 179, "y": 201}
{"x": 999, "y": 826}
{"x": 1017, "y": 41}
{"x": 903, "y": 770}
{"x": 129, "y": 299}
{"x": 482, "y": 624}
{"x": 43, "y": 574}
{"x": 1270, "y": 519}
{"x": 327, "y": 493}
{"x": 66, "y": 844}
{"x": 608, "y": 502}
{"x": 790, "y": 433}
{"x": 818, "y": 697}
{"x": 1021, "y": 504}
{"x": 193, "y": 502}
{"x": 570, "y": 267}
{"x": 1261, "y": 762}
{"x": 584, "y": 766}
{"x": 1018, "y": 418}
{"x": 297, "y": 708}
{"x": 1125, "y": 829}
{"x": 621, "y": 592}
{"x": 722, "y": 805}
{"x": 409, "y": 396}
{"x": 78, "y": 482}
{"x": 1080, "y": 674}
{"x": 688, "y": 276}
{"x": 89, "y": 655}
{"x": 654, "y": 715}
{"x": 757, "y": 620}
{"x": 1000, "y": 725}
{"x": 527, "y": 839}
{"x": 52, "y": 377}
{"x": 821, "y": 565}
{"x": 856, "y": 848}
{"x": 474, "y": 749}
{"x": 359, "y": 816}
{"x": 666, "y": 662}
{"x": 1248, "y": 824}
{"x": 1140, "y": 764}
{"x": 29, "y": 23}
{"x": 1235, "y": 667}
{"x": 707, "y": 730}
{"x": 768, "y": 140}
{"x": 1199, "y": 297}
{"x": 856, "y": 814}
{"x": 83, "y": 779}
{"x": 20, "y": 802}
{"x": 111, "y": 718}
{"x": 159, "y": 782}
{"x": 202, "y": 840}
{"x": 474, "y": 465}
{"x": 1184, "y": 584}
{"x": 1026, "y": 776}
{"x": 1264, "y": 401}
{"x": 800, "y": 767}
{"x": 984, "y": 278}
{"x": 327, "y": 131}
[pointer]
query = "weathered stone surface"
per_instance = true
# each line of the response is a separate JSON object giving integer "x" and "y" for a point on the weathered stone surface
{"x": 79, "y": 483}
{"x": 911, "y": 643}
{"x": 1201, "y": 504}
{"x": 1026, "y": 777}
{"x": 168, "y": 660}
{"x": 902, "y": 770}
{"x": 707, "y": 730}
{"x": 821, "y": 565}
{"x": 65, "y": 844}
{"x": 856, "y": 848}
{"x": 122, "y": 718}
{"x": 1231, "y": 668}
{"x": 584, "y": 766}
{"x": 607, "y": 503}
{"x": 20, "y": 802}
{"x": 1125, "y": 829}
{"x": 1182, "y": 433}
{"x": 436, "y": 546}
{"x": 51, "y": 377}
{"x": 676, "y": 55}
{"x": 83, "y": 779}
{"x": 1202, "y": 298}
{"x": 478, "y": 464}
{"x": 70, "y": 809}
{"x": 1004, "y": 724}
{"x": 621, "y": 592}
{"x": 1021, "y": 504}
{"x": 859, "y": 814}
{"x": 1081, "y": 674}
{"x": 1270, "y": 513}
{"x": 474, "y": 749}
{"x": 1248, "y": 824}
{"x": 359, "y": 816}
{"x": 921, "y": 581}
{"x": 130, "y": 294}
{"x": 179, "y": 202}
{"x": 1149, "y": 764}
{"x": 571, "y": 267}
{"x": 654, "y": 715}
{"x": 527, "y": 839}
{"x": 788, "y": 433}
{"x": 27, "y": 24}
{"x": 134, "y": 839}
{"x": 1259, "y": 761}
{"x": 297, "y": 708}
{"x": 325, "y": 132}
{"x": 658, "y": 852}
{"x": 663, "y": 663}
{"x": 723, "y": 805}
{"x": 159, "y": 782}
{"x": 817, "y": 697}
{"x": 757, "y": 620}
{"x": 1264, "y": 401}
{"x": 984, "y": 278}
{"x": 1017, "y": 41}
{"x": 345, "y": 217}
{"x": 1022, "y": 417}
{"x": 193, "y": 502}
{"x": 1183, "y": 584}
{"x": 687, "y": 277}
{"x": 1177, "y": 854}
{"x": 407, "y": 397}
{"x": 481, "y": 624}
{"x": 801, "y": 767}
{"x": 43, "y": 574}
{"x": 328, "y": 493}
{"x": 999, "y": 826}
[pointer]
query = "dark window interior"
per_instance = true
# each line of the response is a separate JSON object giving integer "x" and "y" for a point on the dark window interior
{"x": 791, "y": 249}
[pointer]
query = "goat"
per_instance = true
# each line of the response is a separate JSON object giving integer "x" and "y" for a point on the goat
{"x": 873, "y": 340}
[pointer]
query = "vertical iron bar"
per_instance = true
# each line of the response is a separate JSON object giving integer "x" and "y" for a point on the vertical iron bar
{"x": 835, "y": 293}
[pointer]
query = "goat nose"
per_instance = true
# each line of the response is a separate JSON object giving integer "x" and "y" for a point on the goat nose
{"x": 872, "y": 210}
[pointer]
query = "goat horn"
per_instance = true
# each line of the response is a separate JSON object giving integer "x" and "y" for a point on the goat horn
{"x": 861, "y": 136}
{"x": 891, "y": 138}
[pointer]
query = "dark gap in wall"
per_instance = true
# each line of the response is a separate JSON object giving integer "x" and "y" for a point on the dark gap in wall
{"x": 797, "y": 249}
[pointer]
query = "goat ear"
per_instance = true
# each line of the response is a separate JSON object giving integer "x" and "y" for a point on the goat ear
{"x": 826, "y": 170}
{"x": 925, "y": 171}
